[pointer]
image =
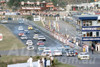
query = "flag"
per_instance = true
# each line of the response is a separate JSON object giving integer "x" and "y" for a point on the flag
{"x": 54, "y": 24}
{"x": 58, "y": 27}
{"x": 43, "y": 23}
{"x": 49, "y": 24}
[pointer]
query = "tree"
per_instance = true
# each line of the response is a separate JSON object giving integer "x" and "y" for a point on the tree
{"x": 15, "y": 3}
{"x": 54, "y": 2}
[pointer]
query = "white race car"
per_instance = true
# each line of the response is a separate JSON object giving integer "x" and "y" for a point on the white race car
{"x": 4, "y": 21}
{"x": 46, "y": 52}
{"x": 30, "y": 47}
{"x": 29, "y": 42}
{"x": 20, "y": 28}
{"x": 41, "y": 38}
{"x": 57, "y": 53}
{"x": 83, "y": 56}
{"x": 35, "y": 36}
{"x": 24, "y": 37}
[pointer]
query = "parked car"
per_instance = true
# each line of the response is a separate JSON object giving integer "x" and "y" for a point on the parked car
{"x": 41, "y": 38}
{"x": 24, "y": 37}
{"x": 4, "y": 21}
{"x": 71, "y": 52}
{"x": 57, "y": 53}
{"x": 29, "y": 42}
{"x": 30, "y": 47}
{"x": 40, "y": 43}
{"x": 35, "y": 36}
{"x": 41, "y": 47}
{"x": 20, "y": 28}
{"x": 46, "y": 52}
{"x": 30, "y": 27}
{"x": 83, "y": 56}
{"x": 20, "y": 33}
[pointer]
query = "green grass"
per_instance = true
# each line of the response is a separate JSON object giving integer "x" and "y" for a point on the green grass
{"x": 39, "y": 23}
{"x": 50, "y": 18}
{"x": 10, "y": 41}
{"x": 64, "y": 65}
{"x": 58, "y": 64}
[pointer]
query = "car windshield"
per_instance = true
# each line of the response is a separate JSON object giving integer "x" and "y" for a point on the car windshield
{"x": 41, "y": 46}
{"x": 41, "y": 36}
{"x": 29, "y": 41}
{"x": 40, "y": 42}
{"x": 57, "y": 51}
{"x": 70, "y": 50}
{"x": 29, "y": 26}
{"x": 83, "y": 53}
{"x": 47, "y": 49}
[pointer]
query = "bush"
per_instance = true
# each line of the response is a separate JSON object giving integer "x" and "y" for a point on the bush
{"x": 30, "y": 17}
{"x": 2, "y": 64}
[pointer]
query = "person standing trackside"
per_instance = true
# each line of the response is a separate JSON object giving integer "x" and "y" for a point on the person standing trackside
{"x": 41, "y": 63}
{"x": 45, "y": 62}
{"x": 92, "y": 49}
{"x": 52, "y": 60}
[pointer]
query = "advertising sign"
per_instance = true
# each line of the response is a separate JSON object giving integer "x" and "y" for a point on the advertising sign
{"x": 37, "y": 19}
{"x": 11, "y": 13}
{"x": 1, "y": 37}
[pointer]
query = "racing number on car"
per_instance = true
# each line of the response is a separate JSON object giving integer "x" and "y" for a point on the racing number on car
{"x": 1, "y": 37}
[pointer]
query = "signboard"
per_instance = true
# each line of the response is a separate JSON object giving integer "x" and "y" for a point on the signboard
{"x": 31, "y": 8}
{"x": 12, "y": 13}
{"x": 85, "y": 48}
{"x": 91, "y": 28}
{"x": 91, "y": 39}
{"x": 1, "y": 37}
{"x": 37, "y": 19}
{"x": 22, "y": 3}
{"x": 25, "y": 14}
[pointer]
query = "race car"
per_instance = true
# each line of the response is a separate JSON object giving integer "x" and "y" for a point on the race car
{"x": 83, "y": 56}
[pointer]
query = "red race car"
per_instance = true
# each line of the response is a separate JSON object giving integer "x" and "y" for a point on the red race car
{"x": 40, "y": 43}
{"x": 21, "y": 33}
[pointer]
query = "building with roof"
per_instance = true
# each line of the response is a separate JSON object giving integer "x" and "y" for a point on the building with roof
{"x": 36, "y": 6}
{"x": 88, "y": 28}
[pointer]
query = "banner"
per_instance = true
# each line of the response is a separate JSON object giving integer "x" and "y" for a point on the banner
{"x": 37, "y": 18}
{"x": 49, "y": 24}
{"x": 11, "y": 13}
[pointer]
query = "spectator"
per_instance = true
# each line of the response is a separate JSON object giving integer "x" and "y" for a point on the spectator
{"x": 45, "y": 62}
{"x": 92, "y": 49}
{"x": 41, "y": 63}
{"x": 52, "y": 60}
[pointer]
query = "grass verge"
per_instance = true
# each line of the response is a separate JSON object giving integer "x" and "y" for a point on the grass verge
{"x": 10, "y": 41}
{"x": 6, "y": 60}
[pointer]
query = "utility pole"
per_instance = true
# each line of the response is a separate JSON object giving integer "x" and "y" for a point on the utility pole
{"x": 87, "y": 5}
